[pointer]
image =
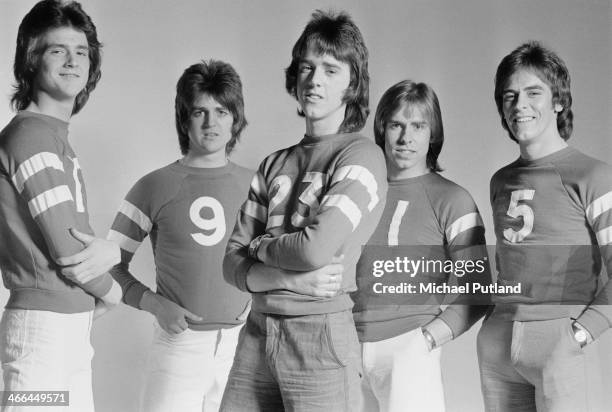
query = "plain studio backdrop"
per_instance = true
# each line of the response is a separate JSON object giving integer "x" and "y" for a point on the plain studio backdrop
{"x": 127, "y": 127}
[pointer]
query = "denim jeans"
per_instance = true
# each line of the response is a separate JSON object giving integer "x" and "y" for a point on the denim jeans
{"x": 532, "y": 366}
{"x": 47, "y": 351}
{"x": 188, "y": 370}
{"x": 401, "y": 374}
{"x": 296, "y": 363}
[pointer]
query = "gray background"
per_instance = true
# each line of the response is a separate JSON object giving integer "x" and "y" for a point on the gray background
{"x": 127, "y": 128}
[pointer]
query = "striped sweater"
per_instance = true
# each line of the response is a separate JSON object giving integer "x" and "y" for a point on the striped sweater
{"x": 441, "y": 218}
{"x": 318, "y": 199}
{"x": 553, "y": 223}
{"x": 188, "y": 213}
{"x": 42, "y": 196}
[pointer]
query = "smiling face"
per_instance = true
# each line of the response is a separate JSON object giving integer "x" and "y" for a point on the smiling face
{"x": 528, "y": 109}
{"x": 64, "y": 65}
{"x": 407, "y": 137}
{"x": 209, "y": 128}
{"x": 321, "y": 85}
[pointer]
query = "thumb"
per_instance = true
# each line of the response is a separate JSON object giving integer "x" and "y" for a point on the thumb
{"x": 191, "y": 316}
{"x": 81, "y": 237}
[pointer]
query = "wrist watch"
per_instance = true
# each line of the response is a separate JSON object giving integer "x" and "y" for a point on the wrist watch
{"x": 431, "y": 342}
{"x": 254, "y": 245}
{"x": 580, "y": 334}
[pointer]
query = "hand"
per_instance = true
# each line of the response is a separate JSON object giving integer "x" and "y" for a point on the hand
{"x": 114, "y": 295}
{"x": 101, "y": 308}
{"x": 108, "y": 301}
{"x": 171, "y": 317}
{"x": 96, "y": 259}
{"x": 324, "y": 282}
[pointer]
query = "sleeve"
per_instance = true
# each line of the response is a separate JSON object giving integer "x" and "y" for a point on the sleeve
{"x": 356, "y": 187}
{"x": 598, "y": 193}
{"x": 131, "y": 226}
{"x": 250, "y": 223}
{"x": 43, "y": 176}
{"x": 465, "y": 237}
{"x": 493, "y": 188}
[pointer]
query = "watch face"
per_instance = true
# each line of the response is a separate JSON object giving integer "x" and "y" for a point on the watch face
{"x": 580, "y": 336}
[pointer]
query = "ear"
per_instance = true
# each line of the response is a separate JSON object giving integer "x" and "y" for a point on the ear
{"x": 558, "y": 108}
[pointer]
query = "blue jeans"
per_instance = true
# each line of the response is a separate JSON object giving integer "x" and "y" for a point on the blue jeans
{"x": 532, "y": 366}
{"x": 296, "y": 363}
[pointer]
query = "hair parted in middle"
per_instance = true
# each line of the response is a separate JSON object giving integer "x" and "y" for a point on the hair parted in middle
{"x": 411, "y": 94}
{"x": 550, "y": 68}
{"x": 221, "y": 82}
{"x": 337, "y": 35}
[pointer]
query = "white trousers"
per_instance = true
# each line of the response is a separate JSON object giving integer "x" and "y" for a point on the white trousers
{"x": 187, "y": 372}
{"x": 401, "y": 374}
{"x": 47, "y": 351}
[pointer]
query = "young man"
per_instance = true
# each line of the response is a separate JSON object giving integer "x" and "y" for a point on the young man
{"x": 44, "y": 334}
{"x": 401, "y": 339}
{"x": 187, "y": 208}
{"x": 532, "y": 348}
{"x": 308, "y": 206}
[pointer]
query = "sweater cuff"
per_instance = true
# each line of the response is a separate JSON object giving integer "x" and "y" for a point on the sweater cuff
{"x": 594, "y": 321}
{"x": 241, "y": 273}
{"x": 457, "y": 322}
{"x": 99, "y": 286}
{"x": 133, "y": 295}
